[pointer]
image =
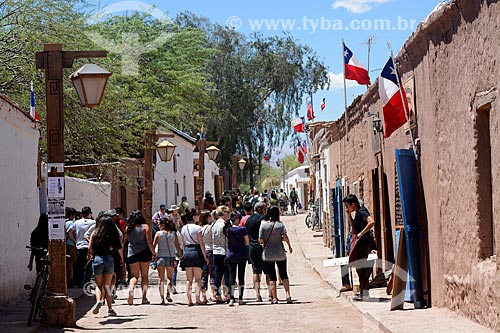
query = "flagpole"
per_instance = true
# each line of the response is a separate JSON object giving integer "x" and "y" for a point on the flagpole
{"x": 403, "y": 101}
{"x": 345, "y": 94}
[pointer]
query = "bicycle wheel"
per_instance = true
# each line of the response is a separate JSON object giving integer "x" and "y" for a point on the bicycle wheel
{"x": 34, "y": 299}
{"x": 308, "y": 223}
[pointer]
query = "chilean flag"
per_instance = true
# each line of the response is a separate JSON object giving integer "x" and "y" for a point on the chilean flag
{"x": 301, "y": 151}
{"x": 323, "y": 104}
{"x": 33, "y": 113}
{"x": 310, "y": 111}
{"x": 390, "y": 93}
{"x": 354, "y": 70}
{"x": 298, "y": 125}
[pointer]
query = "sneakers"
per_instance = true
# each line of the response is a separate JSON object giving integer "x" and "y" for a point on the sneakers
{"x": 111, "y": 313}
{"x": 231, "y": 302}
{"x": 241, "y": 302}
{"x": 97, "y": 307}
{"x": 169, "y": 299}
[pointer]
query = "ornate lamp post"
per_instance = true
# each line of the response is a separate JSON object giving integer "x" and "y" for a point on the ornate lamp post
{"x": 234, "y": 169}
{"x": 212, "y": 152}
{"x": 91, "y": 82}
{"x": 166, "y": 151}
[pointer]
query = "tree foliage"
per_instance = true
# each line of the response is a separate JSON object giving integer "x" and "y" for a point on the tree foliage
{"x": 243, "y": 90}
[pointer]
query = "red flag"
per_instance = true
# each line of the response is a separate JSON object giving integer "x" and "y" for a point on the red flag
{"x": 393, "y": 98}
{"x": 298, "y": 125}
{"x": 310, "y": 111}
{"x": 323, "y": 104}
{"x": 354, "y": 70}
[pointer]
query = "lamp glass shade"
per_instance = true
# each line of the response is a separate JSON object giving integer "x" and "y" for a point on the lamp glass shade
{"x": 212, "y": 152}
{"x": 166, "y": 150}
{"x": 241, "y": 164}
{"x": 90, "y": 82}
{"x": 278, "y": 163}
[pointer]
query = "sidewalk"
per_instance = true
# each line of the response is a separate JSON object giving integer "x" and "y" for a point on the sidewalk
{"x": 378, "y": 309}
{"x": 14, "y": 315}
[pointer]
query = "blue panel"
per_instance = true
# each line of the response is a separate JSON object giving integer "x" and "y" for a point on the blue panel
{"x": 406, "y": 167}
{"x": 338, "y": 223}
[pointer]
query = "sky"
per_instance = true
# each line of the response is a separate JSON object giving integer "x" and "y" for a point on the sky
{"x": 320, "y": 24}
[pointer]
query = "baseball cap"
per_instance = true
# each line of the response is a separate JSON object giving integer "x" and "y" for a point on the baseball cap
{"x": 111, "y": 212}
{"x": 162, "y": 206}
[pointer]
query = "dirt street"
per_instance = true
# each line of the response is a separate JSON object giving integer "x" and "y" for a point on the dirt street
{"x": 315, "y": 307}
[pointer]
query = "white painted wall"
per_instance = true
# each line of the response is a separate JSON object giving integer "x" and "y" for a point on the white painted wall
{"x": 169, "y": 185}
{"x": 19, "y": 203}
{"x": 297, "y": 178}
{"x": 81, "y": 193}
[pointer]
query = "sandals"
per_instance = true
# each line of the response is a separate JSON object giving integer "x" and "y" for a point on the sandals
{"x": 202, "y": 303}
{"x": 274, "y": 301}
{"x": 258, "y": 299}
{"x": 145, "y": 301}
{"x": 289, "y": 300}
{"x": 130, "y": 299}
{"x": 190, "y": 304}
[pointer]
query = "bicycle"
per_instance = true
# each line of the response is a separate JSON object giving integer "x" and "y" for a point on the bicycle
{"x": 39, "y": 289}
{"x": 312, "y": 218}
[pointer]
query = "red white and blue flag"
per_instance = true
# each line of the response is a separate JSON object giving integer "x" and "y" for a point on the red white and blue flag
{"x": 323, "y": 104}
{"x": 353, "y": 69}
{"x": 310, "y": 110}
{"x": 301, "y": 151}
{"x": 33, "y": 113}
{"x": 298, "y": 125}
{"x": 393, "y": 98}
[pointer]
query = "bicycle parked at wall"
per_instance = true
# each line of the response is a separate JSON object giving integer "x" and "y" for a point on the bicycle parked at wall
{"x": 39, "y": 289}
{"x": 312, "y": 218}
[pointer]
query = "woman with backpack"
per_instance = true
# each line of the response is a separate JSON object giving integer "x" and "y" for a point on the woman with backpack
{"x": 166, "y": 242}
{"x": 272, "y": 234}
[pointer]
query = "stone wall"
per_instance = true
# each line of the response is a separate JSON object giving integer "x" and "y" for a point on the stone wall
{"x": 453, "y": 57}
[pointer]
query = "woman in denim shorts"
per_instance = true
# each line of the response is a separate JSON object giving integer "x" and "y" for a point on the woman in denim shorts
{"x": 103, "y": 241}
{"x": 167, "y": 241}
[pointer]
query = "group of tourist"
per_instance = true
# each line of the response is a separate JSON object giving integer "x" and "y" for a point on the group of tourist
{"x": 213, "y": 247}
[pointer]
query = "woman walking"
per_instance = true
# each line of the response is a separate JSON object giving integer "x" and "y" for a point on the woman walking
{"x": 166, "y": 242}
{"x": 272, "y": 234}
{"x": 103, "y": 241}
{"x": 140, "y": 253}
{"x": 206, "y": 225}
{"x": 194, "y": 257}
{"x": 362, "y": 242}
{"x": 219, "y": 245}
{"x": 236, "y": 255}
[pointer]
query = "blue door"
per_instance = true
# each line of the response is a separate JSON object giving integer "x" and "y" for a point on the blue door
{"x": 338, "y": 221}
{"x": 407, "y": 176}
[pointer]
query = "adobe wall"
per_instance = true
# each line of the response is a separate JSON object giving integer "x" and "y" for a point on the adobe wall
{"x": 19, "y": 203}
{"x": 454, "y": 59}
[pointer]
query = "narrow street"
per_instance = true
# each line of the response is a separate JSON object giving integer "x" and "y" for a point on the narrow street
{"x": 315, "y": 307}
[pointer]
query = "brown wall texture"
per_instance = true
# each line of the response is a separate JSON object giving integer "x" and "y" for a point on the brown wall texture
{"x": 454, "y": 58}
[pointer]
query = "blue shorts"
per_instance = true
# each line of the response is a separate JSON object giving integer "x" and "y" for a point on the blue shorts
{"x": 165, "y": 262}
{"x": 103, "y": 265}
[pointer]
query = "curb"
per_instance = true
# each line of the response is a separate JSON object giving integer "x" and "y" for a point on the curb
{"x": 367, "y": 315}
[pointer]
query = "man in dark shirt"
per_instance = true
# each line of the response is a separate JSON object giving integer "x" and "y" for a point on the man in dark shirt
{"x": 255, "y": 249}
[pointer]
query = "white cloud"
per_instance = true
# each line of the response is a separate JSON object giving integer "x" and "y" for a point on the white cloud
{"x": 357, "y": 6}
{"x": 337, "y": 81}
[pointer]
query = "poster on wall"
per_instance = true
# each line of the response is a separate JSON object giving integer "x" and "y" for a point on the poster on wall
{"x": 409, "y": 87}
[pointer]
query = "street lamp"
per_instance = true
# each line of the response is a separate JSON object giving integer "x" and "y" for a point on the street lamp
{"x": 213, "y": 152}
{"x": 52, "y": 60}
{"x": 241, "y": 164}
{"x": 166, "y": 150}
{"x": 90, "y": 82}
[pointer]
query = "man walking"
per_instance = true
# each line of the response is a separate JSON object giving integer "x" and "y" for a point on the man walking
{"x": 294, "y": 199}
{"x": 76, "y": 233}
{"x": 255, "y": 249}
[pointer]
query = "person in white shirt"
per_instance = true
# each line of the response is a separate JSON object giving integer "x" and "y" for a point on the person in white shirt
{"x": 219, "y": 249}
{"x": 77, "y": 234}
{"x": 194, "y": 257}
{"x": 161, "y": 214}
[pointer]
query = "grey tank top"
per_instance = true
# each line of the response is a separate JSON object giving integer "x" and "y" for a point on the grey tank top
{"x": 166, "y": 245}
{"x": 136, "y": 241}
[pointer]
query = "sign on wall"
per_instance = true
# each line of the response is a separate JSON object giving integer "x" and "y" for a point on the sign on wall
{"x": 409, "y": 87}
